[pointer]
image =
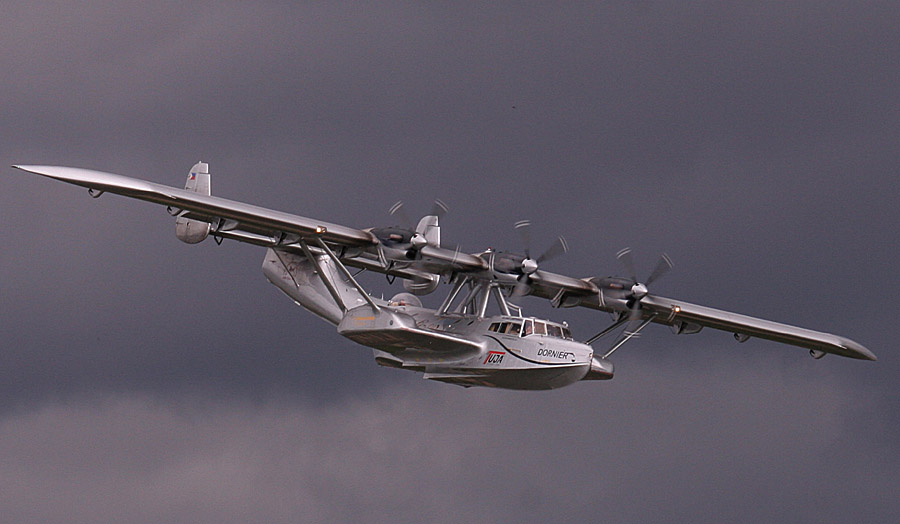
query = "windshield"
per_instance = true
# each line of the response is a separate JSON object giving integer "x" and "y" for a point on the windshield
{"x": 537, "y": 327}
{"x": 529, "y": 328}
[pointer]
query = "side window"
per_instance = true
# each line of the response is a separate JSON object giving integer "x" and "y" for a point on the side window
{"x": 554, "y": 331}
{"x": 540, "y": 328}
{"x": 566, "y": 333}
{"x": 514, "y": 328}
{"x": 494, "y": 326}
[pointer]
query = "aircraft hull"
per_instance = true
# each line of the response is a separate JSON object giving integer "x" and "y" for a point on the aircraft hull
{"x": 534, "y": 379}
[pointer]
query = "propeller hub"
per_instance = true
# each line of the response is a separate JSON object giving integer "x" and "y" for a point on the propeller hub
{"x": 529, "y": 266}
{"x": 418, "y": 241}
{"x": 639, "y": 290}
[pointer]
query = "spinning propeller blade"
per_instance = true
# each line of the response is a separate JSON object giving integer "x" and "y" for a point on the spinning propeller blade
{"x": 662, "y": 267}
{"x": 524, "y": 229}
{"x": 419, "y": 239}
{"x": 529, "y": 265}
{"x": 522, "y": 287}
{"x": 439, "y": 209}
{"x": 626, "y": 259}
{"x": 558, "y": 248}
{"x": 397, "y": 211}
{"x": 635, "y": 294}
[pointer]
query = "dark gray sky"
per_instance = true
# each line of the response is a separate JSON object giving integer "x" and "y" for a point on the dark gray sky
{"x": 145, "y": 380}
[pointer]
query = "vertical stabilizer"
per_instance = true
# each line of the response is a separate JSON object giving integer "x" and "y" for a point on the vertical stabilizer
{"x": 198, "y": 179}
{"x": 430, "y": 228}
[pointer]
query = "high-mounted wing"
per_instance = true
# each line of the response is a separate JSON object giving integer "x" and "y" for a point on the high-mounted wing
{"x": 262, "y": 226}
{"x": 684, "y": 317}
{"x": 265, "y": 227}
{"x": 679, "y": 314}
{"x": 224, "y": 215}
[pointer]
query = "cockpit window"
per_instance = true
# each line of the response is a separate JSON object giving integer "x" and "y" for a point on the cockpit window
{"x": 532, "y": 327}
{"x": 511, "y": 328}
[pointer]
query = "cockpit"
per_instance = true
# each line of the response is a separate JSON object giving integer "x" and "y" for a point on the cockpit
{"x": 530, "y": 326}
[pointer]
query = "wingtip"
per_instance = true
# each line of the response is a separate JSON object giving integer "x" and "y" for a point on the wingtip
{"x": 26, "y": 167}
{"x": 34, "y": 169}
{"x": 89, "y": 178}
{"x": 859, "y": 351}
{"x": 866, "y": 354}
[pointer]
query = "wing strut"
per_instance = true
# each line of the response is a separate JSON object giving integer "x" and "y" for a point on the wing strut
{"x": 457, "y": 286}
{"x": 325, "y": 280}
{"x": 346, "y": 273}
{"x": 501, "y": 300}
{"x": 628, "y": 335}
{"x": 622, "y": 319}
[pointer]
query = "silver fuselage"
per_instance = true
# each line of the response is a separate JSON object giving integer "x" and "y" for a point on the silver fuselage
{"x": 463, "y": 349}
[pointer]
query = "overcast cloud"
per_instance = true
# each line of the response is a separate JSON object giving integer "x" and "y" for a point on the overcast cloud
{"x": 145, "y": 380}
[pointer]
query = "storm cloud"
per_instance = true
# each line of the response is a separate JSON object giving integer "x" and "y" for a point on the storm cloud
{"x": 739, "y": 452}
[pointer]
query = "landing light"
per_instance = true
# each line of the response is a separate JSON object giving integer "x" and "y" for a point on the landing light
{"x": 321, "y": 230}
{"x": 677, "y": 309}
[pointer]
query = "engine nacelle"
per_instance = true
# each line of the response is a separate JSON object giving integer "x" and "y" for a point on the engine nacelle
{"x": 422, "y": 286}
{"x": 188, "y": 230}
{"x": 191, "y": 231}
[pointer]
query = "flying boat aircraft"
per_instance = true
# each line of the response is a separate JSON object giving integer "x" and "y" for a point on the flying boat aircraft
{"x": 478, "y": 336}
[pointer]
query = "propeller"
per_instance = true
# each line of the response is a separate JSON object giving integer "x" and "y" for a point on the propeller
{"x": 638, "y": 290}
{"x": 407, "y": 232}
{"x": 438, "y": 209}
{"x": 529, "y": 265}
